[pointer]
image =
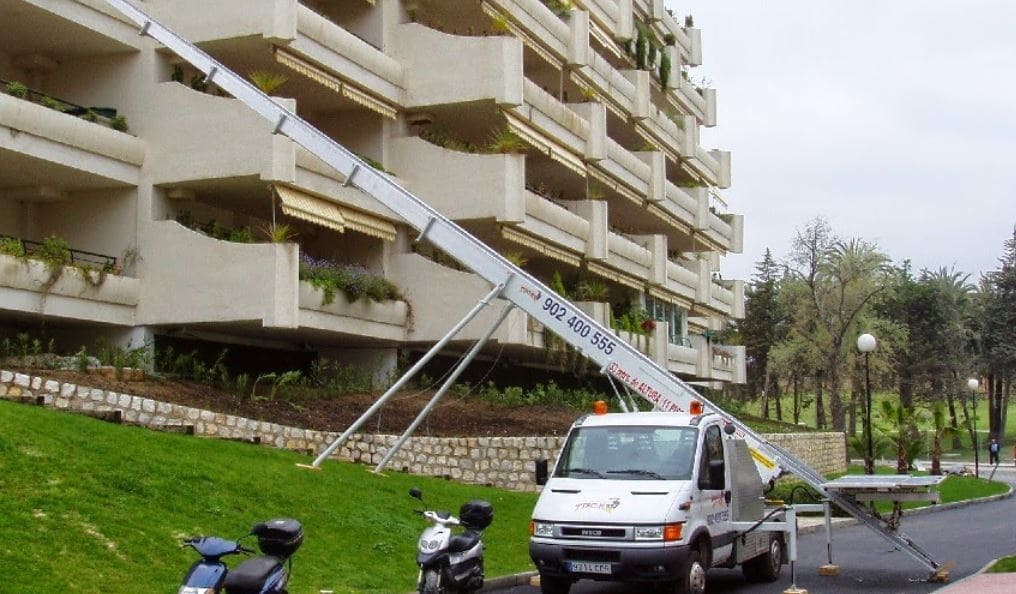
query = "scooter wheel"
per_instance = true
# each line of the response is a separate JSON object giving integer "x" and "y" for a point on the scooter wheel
{"x": 430, "y": 583}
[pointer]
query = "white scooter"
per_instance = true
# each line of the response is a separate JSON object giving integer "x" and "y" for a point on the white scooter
{"x": 452, "y": 564}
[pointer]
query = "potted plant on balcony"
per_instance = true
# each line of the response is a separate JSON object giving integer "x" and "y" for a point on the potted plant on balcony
{"x": 505, "y": 141}
{"x": 267, "y": 81}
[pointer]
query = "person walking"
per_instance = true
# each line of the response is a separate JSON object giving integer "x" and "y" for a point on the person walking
{"x": 993, "y": 449}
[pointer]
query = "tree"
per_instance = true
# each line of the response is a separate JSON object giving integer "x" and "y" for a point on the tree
{"x": 760, "y": 327}
{"x": 840, "y": 279}
{"x": 999, "y": 334}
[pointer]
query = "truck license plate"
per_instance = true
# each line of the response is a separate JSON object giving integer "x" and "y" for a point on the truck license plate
{"x": 584, "y": 567}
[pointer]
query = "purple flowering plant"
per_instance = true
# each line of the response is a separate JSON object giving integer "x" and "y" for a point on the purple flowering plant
{"x": 352, "y": 279}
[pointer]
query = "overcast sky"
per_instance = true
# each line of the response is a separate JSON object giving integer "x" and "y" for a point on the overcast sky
{"x": 895, "y": 120}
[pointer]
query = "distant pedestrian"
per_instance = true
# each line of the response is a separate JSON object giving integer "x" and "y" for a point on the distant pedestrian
{"x": 993, "y": 449}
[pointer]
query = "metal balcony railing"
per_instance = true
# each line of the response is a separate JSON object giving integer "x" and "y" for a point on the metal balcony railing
{"x": 80, "y": 257}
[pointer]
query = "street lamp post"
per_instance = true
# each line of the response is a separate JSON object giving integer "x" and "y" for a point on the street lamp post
{"x": 866, "y": 344}
{"x": 972, "y": 386}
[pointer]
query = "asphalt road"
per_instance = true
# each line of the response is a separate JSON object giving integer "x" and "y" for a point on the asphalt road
{"x": 971, "y": 536}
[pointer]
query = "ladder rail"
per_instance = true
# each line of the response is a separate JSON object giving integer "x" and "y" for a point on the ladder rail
{"x": 615, "y": 357}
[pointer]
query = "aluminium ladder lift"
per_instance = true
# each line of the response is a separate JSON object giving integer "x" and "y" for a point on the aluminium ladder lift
{"x": 616, "y": 359}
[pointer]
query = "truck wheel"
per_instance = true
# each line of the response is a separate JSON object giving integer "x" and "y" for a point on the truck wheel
{"x": 693, "y": 580}
{"x": 765, "y": 567}
{"x": 550, "y": 584}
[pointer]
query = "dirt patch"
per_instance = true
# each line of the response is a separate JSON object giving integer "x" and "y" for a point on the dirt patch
{"x": 453, "y": 416}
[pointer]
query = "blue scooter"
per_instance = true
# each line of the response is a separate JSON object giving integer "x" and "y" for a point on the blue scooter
{"x": 265, "y": 574}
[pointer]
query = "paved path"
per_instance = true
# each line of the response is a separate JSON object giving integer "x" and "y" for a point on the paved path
{"x": 971, "y": 536}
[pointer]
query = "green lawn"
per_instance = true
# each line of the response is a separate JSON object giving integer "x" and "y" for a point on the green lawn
{"x": 86, "y": 506}
{"x": 952, "y": 489}
{"x": 964, "y": 452}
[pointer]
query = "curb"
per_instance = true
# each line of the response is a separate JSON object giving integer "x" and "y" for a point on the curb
{"x": 507, "y": 581}
{"x": 966, "y": 579}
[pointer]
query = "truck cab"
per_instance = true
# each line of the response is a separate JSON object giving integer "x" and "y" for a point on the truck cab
{"x": 650, "y": 497}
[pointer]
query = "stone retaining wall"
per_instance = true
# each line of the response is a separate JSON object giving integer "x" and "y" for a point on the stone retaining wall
{"x": 507, "y": 462}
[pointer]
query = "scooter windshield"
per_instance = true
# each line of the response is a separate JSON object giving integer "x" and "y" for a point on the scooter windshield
{"x": 213, "y": 547}
{"x": 629, "y": 453}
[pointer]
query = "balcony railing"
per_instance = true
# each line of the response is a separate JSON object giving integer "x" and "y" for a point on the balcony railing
{"x": 79, "y": 257}
{"x": 106, "y": 116}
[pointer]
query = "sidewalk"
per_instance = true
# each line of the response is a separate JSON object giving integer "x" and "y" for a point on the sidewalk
{"x": 982, "y": 583}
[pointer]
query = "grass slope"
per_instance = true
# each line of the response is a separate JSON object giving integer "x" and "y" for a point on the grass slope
{"x": 86, "y": 506}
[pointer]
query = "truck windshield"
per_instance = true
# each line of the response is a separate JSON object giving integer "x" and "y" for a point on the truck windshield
{"x": 628, "y": 453}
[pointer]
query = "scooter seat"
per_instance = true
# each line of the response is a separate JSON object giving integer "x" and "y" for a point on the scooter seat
{"x": 250, "y": 576}
{"x": 463, "y": 542}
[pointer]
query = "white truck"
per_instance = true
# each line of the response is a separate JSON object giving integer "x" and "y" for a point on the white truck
{"x": 652, "y": 497}
{"x": 696, "y": 506}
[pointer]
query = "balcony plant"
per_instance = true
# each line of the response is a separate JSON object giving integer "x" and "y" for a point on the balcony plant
{"x": 504, "y": 141}
{"x": 267, "y": 81}
{"x": 592, "y": 290}
{"x": 16, "y": 89}
{"x": 12, "y": 246}
{"x": 499, "y": 24}
{"x": 279, "y": 232}
{"x": 352, "y": 279}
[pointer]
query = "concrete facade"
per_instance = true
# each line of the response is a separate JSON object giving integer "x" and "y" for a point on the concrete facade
{"x": 612, "y": 184}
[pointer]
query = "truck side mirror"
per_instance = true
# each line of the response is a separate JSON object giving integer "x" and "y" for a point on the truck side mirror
{"x": 541, "y": 471}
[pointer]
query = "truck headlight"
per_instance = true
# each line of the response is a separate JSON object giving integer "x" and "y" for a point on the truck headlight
{"x": 649, "y": 533}
{"x": 541, "y": 529}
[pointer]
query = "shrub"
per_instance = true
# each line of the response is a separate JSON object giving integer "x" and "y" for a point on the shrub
{"x": 592, "y": 290}
{"x": 353, "y": 280}
{"x": 52, "y": 103}
{"x": 504, "y": 140}
{"x": 16, "y": 89}
{"x": 118, "y": 123}
{"x": 12, "y": 246}
{"x": 54, "y": 251}
{"x": 267, "y": 81}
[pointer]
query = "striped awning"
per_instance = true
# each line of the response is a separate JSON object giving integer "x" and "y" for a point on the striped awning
{"x": 616, "y": 276}
{"x": 541, "y": 246}
{"x": 610, "y": 182}
{"x": 542, "y": 143}
{"x": 332, "y": 215}
{"x": 345, "y": 88}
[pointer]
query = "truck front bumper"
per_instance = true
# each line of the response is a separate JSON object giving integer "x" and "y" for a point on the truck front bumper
{"x": 650, "y": 564}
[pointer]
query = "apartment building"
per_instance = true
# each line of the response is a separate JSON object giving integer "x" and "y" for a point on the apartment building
{"x": 564, "y": 134}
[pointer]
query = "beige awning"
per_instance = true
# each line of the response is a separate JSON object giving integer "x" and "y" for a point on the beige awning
{"x": 539, "y": 245}
{"x": 331, "y": 215}
{"x": 616, "y": 276}
{"x": 311, "y": 208}
{"x": 324, "y": 78}
{"x": 665, "y": 295}
{"x": 542, "y": 143}
{"x": 609, "y": 181}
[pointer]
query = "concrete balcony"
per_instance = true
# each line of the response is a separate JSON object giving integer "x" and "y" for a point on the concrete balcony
{"x": 540, "y": 29}
{"x": 307, "y": 41}
{"x": 728, "y": 364}
{"x": 30, "y": 287}
{"x": 425, "y": 285}
{"x": 561, "y": 126}
{"x": 713, "y": 165}
{"x": 670, "y": 137}
{"x": 42, "y": 146}
{"x": 74, "y": 29}
{"x": 624, "y": 172}
{"x": 483, "y": 68}
{"x": 228, "y": 148}
{"x": 190, "y": 278}
{"x": 449, "y": 180}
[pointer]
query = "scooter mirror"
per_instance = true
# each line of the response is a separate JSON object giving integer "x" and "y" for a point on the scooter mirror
{"x": 415, "y": 492}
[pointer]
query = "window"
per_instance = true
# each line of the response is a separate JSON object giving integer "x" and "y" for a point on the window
{"x": 629, "y": 453}
{"x": 712, "y": 452}
{"x": 673, "y": 315}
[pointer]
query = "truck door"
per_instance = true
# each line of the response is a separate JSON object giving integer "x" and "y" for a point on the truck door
{"x": 715, "y": 502}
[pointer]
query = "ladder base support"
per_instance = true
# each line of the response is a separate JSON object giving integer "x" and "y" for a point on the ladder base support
{"x": 829, "y": 570}
{"x": 793, "y": 590}
{"x": 308, "y": 466}
{"x": 941, "y": 575}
